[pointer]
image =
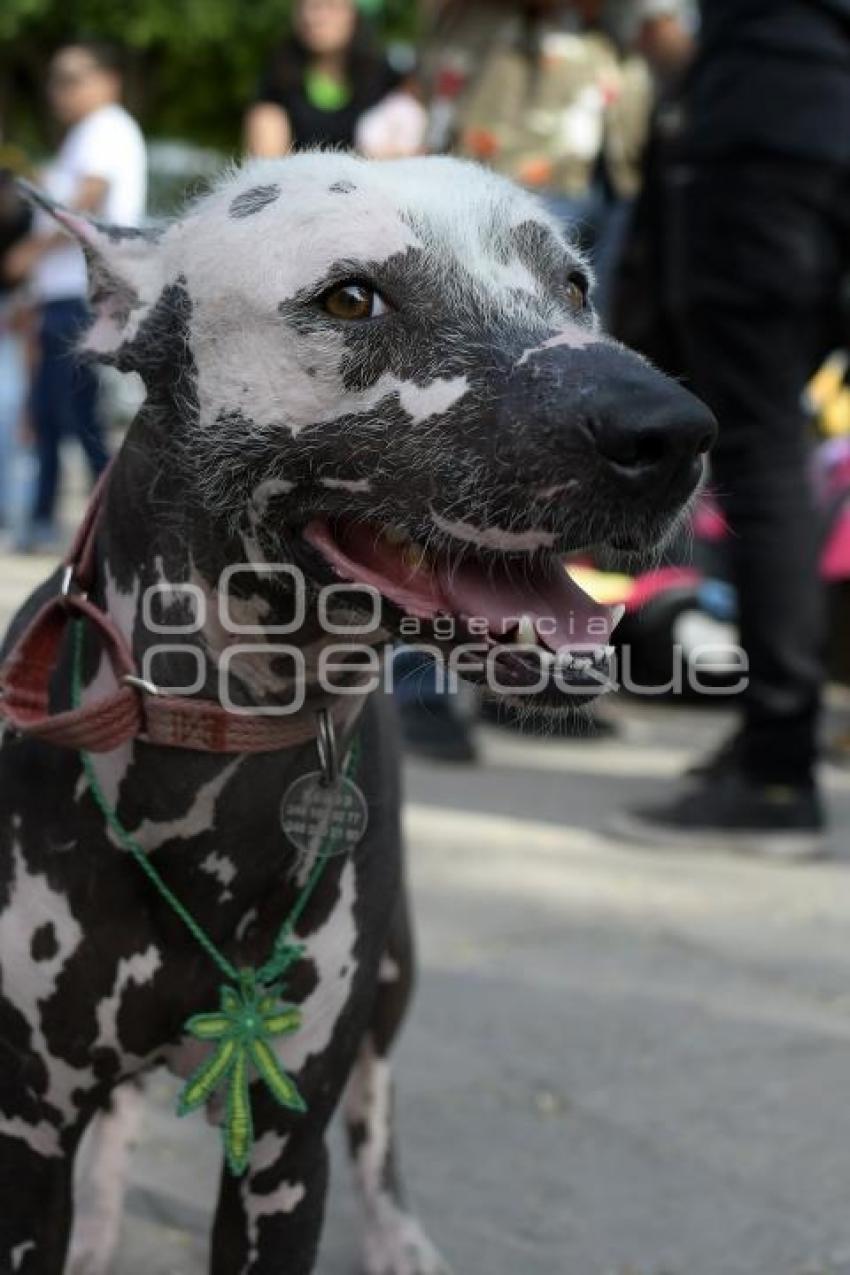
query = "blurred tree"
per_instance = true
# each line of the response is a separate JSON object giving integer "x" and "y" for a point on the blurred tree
{"x": 193, "y": 64}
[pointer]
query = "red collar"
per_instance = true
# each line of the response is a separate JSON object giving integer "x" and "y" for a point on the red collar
{"x": 131, "y": 711}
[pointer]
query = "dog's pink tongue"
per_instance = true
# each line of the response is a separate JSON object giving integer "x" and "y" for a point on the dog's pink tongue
{"x": 562, "y": 613}
{"x": 498, "y": 593}
{"x": 359, "y": 553}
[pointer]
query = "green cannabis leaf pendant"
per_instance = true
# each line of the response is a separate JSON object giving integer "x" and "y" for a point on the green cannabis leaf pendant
{"x": 250, "y": 1016}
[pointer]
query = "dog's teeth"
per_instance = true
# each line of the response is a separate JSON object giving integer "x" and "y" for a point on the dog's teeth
{"x": 526, "y": 634}
{"x": 581, "y": 663}
{"x": 396, "y": 536}
{"x": 414, "y": 556}
{"x": 602, "y": 654}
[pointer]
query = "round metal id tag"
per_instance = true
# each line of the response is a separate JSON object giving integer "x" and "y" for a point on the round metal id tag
{"x": 328, "y": 818}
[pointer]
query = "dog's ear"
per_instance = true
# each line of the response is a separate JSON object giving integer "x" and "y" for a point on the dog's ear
{"x": 124, "y": 269}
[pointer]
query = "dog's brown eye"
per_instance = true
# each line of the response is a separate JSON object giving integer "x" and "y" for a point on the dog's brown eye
{"x": 577, "y": 290}
{"x": 354, "y": 301}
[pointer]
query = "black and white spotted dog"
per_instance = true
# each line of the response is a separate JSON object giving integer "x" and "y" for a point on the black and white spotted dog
{"x": 384, "y": 374}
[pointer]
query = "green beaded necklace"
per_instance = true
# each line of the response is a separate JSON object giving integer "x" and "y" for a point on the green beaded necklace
{"x": 252, "y": 1011}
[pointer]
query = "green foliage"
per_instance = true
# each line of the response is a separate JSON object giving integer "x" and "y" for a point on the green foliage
{"x": 194, "y": 64}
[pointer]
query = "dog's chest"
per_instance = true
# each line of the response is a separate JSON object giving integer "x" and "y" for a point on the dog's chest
{"x": 322, "y": 984}
{"x": 99, "y": 975}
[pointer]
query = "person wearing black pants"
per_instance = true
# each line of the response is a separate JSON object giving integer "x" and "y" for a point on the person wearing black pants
{"x": 759, "y": 251}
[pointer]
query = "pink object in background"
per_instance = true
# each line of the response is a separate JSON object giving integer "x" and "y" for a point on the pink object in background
{"x": 709, "y": 522}
{"x": 835, "y": 561}
{"x": 653, "y": 583}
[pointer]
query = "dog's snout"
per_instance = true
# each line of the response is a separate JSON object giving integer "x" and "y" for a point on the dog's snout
{"x": 650, "y": 430}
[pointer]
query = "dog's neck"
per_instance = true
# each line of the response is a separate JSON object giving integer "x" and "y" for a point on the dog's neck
{"x": 192, "y": 595}
{"x": 151, "y": 536}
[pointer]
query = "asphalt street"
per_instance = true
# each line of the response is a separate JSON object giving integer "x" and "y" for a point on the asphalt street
{"x": 620, "y": 1062}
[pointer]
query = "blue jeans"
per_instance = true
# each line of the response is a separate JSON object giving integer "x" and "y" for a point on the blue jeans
{"x": 64, "y": 401}
{"x": 415, "y": 677}
{"x": 13, "y": 388}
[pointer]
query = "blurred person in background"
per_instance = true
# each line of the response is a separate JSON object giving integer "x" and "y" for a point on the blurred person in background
{"x": 329, "y": 84}
{"x": 557, "y": 95}
{"x": 101, "y": 170}
{"x": 760, "y": 243}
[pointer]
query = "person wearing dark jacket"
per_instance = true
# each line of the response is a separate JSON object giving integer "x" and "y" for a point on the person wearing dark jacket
{"x": 762, "y": 233}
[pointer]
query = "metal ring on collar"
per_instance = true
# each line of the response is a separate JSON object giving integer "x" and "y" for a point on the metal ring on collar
{"x": 69, "y": 582}
{"x": 141, "y": 684}
{"x": 326, "y": 747}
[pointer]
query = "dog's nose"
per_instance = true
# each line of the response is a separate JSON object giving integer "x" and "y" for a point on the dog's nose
{"x": 650, "y": 431}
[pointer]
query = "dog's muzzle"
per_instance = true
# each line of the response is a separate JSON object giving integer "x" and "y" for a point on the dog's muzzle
{"x": 571, "y": 448}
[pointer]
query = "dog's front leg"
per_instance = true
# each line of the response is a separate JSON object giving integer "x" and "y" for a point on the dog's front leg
{"x": 394, "y": 1242}
{"x": 35, "y": 1206}
{"x": 100, "y": 1187}
{"x": 270, "y": 1219}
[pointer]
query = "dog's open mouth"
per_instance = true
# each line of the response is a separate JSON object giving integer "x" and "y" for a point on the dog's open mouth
{"x": 517, "y": 624}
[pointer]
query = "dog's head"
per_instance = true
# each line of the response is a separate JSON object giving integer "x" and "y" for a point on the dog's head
{"x": 391, "y": 373}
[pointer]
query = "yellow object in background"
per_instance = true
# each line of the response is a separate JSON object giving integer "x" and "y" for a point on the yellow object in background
{"x": 829, "y": 396}
{"x": 604, "y": 587}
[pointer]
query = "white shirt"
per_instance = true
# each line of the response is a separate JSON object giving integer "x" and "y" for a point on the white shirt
{"x": 107, "y": 144}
